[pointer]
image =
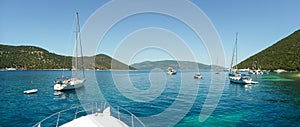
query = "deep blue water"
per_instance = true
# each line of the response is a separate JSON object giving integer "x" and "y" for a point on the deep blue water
{"x": 156, "y": 98}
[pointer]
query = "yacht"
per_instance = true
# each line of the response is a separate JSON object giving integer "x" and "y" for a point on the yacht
{"x": 75, "y": 82}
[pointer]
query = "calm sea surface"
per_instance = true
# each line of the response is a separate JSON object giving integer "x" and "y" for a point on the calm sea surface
{"x": 156, "y": 98}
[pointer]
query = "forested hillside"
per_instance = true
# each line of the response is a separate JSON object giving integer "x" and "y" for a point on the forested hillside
{"x": 181, "y": 65}
{"x": 285, "y": 54}
{"x": 31, "y": 57}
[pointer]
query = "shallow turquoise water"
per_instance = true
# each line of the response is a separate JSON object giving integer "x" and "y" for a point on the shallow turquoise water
{"x": 164, "y": 100}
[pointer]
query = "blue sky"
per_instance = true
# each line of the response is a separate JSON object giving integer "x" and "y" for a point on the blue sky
{"x": 50, "y": 24}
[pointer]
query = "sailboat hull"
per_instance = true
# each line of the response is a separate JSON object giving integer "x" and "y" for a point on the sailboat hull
{"x": 240, "y": 80}
{"x": 69, "y": 85}
{"x": 171, "y": 73}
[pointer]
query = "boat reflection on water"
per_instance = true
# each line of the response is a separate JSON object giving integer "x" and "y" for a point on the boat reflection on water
{"x": 59, "y": 95}
{"x": 248, "y": 87}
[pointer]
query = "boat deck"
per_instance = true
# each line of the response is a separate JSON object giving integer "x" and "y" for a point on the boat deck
{"x": 95, "y": 120}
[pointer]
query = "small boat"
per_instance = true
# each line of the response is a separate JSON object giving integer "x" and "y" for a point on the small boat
{"x": 11, "y": 69}
{"x": 256, "y": 69}
{"x": 30, "y": 91}
{"x": 256, "y": 72}
{"x": 280, "y": 70}
{"x": 198, "y": 76}
{"x": 171, "y": 71}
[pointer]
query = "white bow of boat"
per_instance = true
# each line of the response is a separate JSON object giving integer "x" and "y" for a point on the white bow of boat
{"x": 94, "y": 117}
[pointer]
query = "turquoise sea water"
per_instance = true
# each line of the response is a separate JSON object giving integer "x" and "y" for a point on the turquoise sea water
{"x": 157, "y": 99}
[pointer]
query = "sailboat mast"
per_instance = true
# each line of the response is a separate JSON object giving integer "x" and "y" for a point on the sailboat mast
{"x": 236, "y": 51}
{"x": 78, "y": 42}
{"x": 234, "y": 54}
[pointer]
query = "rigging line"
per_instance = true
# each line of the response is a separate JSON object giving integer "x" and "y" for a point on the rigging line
{"x": 68, "y": 58}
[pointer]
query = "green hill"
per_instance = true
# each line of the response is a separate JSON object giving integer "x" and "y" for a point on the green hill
{"x": 285, "y": 54}
{"x": 104, "y": 62}
{"x": 31, "y": 57}
{"x": 184, "y": 65}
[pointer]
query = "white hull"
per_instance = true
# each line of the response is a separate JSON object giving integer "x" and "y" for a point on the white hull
{"x": 31, "y": 91}
{"x": 280, "y": 70}
{"x": 240, "y": 80}
{"x": 68, "y": 84}
{"x": 256, "y": 72}
{"x": 94, "y": 117}
{"x": 171, "y": 72}
{"x": 97, "y": 119}
{"x": 11, "y": 69}
{"x": 198, "y": 76}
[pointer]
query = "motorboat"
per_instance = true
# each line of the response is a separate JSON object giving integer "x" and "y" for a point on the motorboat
{"x": 198, "y": 76}
{"x": 256, "y": 72}
{"x": 11, "y": 69}
{"x": 280, "y": 70}
{"x": 256, "y": 69}
{"x": 171, "y": 71}
{"x": 32, "y": 91}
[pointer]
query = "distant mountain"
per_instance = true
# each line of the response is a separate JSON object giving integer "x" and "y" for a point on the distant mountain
{"x": 178, "y": 65}
{"x": 31, "y": 57}
{"x": 285, "y": 54}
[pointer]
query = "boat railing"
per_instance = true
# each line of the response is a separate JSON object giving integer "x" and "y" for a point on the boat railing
{"x": 132, "y": 116}
{"x": 90, "y": 108}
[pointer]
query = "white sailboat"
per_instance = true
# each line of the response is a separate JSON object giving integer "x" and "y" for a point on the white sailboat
{"x": 234, "y": 75}
{"x": 171, "y": 71}
{"x": 74, "y": 82}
